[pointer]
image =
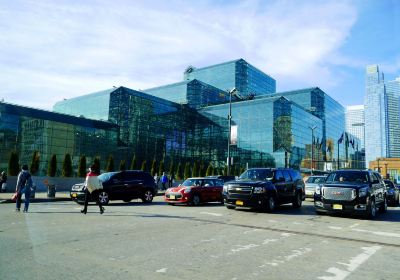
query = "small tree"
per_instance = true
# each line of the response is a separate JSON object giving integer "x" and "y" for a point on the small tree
{"x": 161, "y": 168}
{"x": 195, "y": 171}
{"x": 34, "y": 168}
{"x": 13, "y": 165}
{"x": 144, "y": 165}
{"x": 179, "y": 171}
{"x": 96, "y": 164}
{"x": 122, "y": 165}
{"x": 82, "y": 167}
{"x": 171, "y": 168}
{"x": 153, "y": 170}
{"x": 134, "y": 163}
{"x": 187, "y": 170}
{"x": 52, "y": 166}
{"x": 210, "y": 170}
{"x": 110, "y": 164}
{"x": 67, "y": 166}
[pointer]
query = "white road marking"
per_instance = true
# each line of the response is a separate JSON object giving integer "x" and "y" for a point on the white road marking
{"x": 335, "y": 228}
{"x": 212, "y": 214}
{"x": 340, "y": 274}
{"x": 272, "y": 221}
{"x": 353, "y": 226}
{"x": 283, "y": 259}
{"x": 162, "y": 270}
{"x": 251, "y": 231}
{"x": 380, "y": 233}
{"x": 244, "y": 247}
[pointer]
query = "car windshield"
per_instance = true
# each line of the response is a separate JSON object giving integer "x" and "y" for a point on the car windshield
{"x": 315, "y": 180}
{"x": 106, "y": 176}
{"x": 256, "y": 174}
{"x": 389, "y": 184}
{"x": 348, "y": 176}
{"x": 191, "y": 182}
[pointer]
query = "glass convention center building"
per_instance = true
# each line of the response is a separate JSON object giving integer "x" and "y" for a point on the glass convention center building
{"x": 187, "y": 122}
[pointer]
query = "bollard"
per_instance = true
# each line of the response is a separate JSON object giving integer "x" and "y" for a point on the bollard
{"x": 51, "y": 191}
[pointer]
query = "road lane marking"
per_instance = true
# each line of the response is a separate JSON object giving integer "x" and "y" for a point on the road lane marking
{"x": 162, "y": 270}
{"x": 354, "y": 263}
{"x": 381, "y": 233}
{"x": 283, "y": 259}
{"x": 353, "y": 226}
{"x": 335, "y": 228}
{"x": 212, "y": 214}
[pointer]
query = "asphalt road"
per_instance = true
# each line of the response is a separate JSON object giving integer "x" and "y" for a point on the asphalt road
{"x": 158, "y": 241}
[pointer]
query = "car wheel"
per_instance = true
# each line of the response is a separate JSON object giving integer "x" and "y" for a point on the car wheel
{"x": 383, "y": 206}
{"x": 147, "y": 196}
{"x": 230, "y": 207}
{"x": 371, "y": 209}
{"x": 103, "y": 197}
{"x": 196, "y": 200}
{"x": 271, "y": 204}
{"x": 297, "y": 200}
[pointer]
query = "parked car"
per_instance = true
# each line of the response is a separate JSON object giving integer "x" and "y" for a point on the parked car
{"x": 392, "y": 193}
{"x": 265, "y": 188}
{"x": 120, "y": 185}
{"x": 352, "y": 191}
{"x": 195, "y": 191}
{"x": 224, "y": 178}
{"x": 311, "y": 183}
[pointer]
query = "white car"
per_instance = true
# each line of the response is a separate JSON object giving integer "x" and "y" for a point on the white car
{"x": 311, "y": 183}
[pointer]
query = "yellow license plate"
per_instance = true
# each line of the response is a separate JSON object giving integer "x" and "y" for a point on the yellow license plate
{"x": 74, "y": 195}
{"x": 239, "y": 202}
{"x": 337, "y": 207}
{"x": 172, "y": 197}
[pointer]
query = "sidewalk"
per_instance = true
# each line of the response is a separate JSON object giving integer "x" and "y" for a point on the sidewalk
{"x": 42, "y": 197}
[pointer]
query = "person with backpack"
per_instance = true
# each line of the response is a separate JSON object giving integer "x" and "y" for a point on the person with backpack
{"x": 24, "y": 185}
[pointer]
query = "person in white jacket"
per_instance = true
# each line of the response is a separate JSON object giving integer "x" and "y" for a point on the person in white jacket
{"x": 92, "y": 184}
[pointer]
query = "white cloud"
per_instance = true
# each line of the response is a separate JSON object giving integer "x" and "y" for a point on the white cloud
{"x": 56, "y": 50}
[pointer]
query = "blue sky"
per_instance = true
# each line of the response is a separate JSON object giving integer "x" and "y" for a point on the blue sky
{"x": 51, "y": 50}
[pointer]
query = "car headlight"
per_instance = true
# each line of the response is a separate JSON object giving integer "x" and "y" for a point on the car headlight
{"x": 259, "y": 190}
{"x": 318, "y": 189}
{"x": 362, "y": 192}
{"x": 225, "y": 188}
{"x": 187, "y": 190}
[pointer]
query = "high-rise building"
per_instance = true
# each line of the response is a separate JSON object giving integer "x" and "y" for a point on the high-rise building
{"x": 355, "y": 123}
{"x": 382, "y": 109}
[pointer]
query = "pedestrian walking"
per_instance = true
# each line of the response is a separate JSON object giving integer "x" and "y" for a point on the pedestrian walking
{"x": 24, "y": 185}
{"x": 3, "y": 181}
{"x": 156, "y": 179}
{"x": 92, "y": 187}
{"x": 164, "y": 180}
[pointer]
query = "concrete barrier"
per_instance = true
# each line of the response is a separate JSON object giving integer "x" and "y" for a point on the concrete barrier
{"x": 61, "y": 183}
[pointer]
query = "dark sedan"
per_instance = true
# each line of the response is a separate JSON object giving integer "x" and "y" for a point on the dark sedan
{"x": 121, "y": 185}
{"x": 392, "y": 194}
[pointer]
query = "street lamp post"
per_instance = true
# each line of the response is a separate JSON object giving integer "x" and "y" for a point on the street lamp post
{"x": 312, "y": 147}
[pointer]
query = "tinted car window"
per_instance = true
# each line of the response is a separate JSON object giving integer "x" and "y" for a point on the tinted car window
{"x": 347, "y": 176}
{"x": 286, "y": 175}
{"x": 278, "y": 175}
{"x": 106, "y": 176}
{"x": 256, "y": 174}
{"x": 389, "y": 184}
{"x": 219, "y": 182}
{"x": 295, "y": 175}
{"x": 315, "y": 179}
{"x": 208, "y": 183}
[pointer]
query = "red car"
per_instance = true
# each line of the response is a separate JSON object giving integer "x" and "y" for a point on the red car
{"x": 195, "y": 191}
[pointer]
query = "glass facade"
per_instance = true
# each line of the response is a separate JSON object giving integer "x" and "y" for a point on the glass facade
{"x": 274, "y": 126}
{"x": 187, "y": 122}
{"x": 194, "y": 93}
{"x": 382, "y": 110}
{"x": 238, "y": 73}
{"x": 26, "y": 130}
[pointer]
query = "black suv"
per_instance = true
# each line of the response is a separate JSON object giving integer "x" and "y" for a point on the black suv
{"x": 122, "y": 185}
{"x": 265, "y": 188}
{"x": 351, "y": 191}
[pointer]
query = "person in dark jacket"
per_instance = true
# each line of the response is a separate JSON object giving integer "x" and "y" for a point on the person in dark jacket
{"x": 24, "y": 185}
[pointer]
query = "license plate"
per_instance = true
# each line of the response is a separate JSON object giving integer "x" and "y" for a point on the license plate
{"x": 239, "y": 202}
{"x": 172, "y": 197}
{"x": 74, "y": 195}
{"x": 337, "y": 207}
